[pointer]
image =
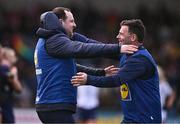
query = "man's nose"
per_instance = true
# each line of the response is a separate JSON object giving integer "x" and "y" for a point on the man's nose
{"x": 74, "y": 25}
{"x": 117, "y": 36}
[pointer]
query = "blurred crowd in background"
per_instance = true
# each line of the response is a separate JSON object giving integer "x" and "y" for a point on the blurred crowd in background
{"x": 18, "y": 31}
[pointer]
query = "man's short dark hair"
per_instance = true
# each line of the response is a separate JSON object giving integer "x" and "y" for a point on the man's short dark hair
{"x": 136, "y": 26}
{"x": 60, "y": 12}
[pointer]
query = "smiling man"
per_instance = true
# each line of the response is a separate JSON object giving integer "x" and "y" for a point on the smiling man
{"x": 137, "y": 78}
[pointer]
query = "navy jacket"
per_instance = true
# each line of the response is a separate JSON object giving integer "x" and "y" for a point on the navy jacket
{"x": 55, "y": 65}
{"x": 139, "y": 87}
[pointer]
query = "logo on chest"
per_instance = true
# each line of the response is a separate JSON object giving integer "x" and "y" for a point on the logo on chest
{"x": 125, "y": 92}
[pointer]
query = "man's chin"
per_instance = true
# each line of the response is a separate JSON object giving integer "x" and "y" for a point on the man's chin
{"x": 71, "y": 35}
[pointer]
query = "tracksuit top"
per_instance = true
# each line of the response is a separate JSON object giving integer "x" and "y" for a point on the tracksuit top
{"x": 140, "y": 98}
{"x": 139, "y": 87}
{"x": 53, "y": 77}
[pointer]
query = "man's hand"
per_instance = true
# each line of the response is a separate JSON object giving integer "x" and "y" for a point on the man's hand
{"x": 129, "y": 49}
{"x": 13, "y": 74}
{"x": 111, "y": 70}
{"x": 14, "y": 81}
{"x": 79, "y": 79}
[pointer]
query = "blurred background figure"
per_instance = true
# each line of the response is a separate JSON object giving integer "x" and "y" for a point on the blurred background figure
{"x": 166, "y": 93}
{"x": 87, "y": 104}
{"x": 8, "y": 84}
{"x": 0, "y": 82}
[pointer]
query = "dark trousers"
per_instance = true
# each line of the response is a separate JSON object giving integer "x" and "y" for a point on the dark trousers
{"x": 7, "y": 113}
{"x": 61, "y": 116}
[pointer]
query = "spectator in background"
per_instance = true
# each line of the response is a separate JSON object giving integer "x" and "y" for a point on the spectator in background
{"x": 9, "y": 83}
{"x": 87, "y": 104}
{"x": 166, "y": 93}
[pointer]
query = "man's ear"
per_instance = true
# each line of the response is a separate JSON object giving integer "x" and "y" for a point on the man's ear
{"x": 133, "y": 37}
